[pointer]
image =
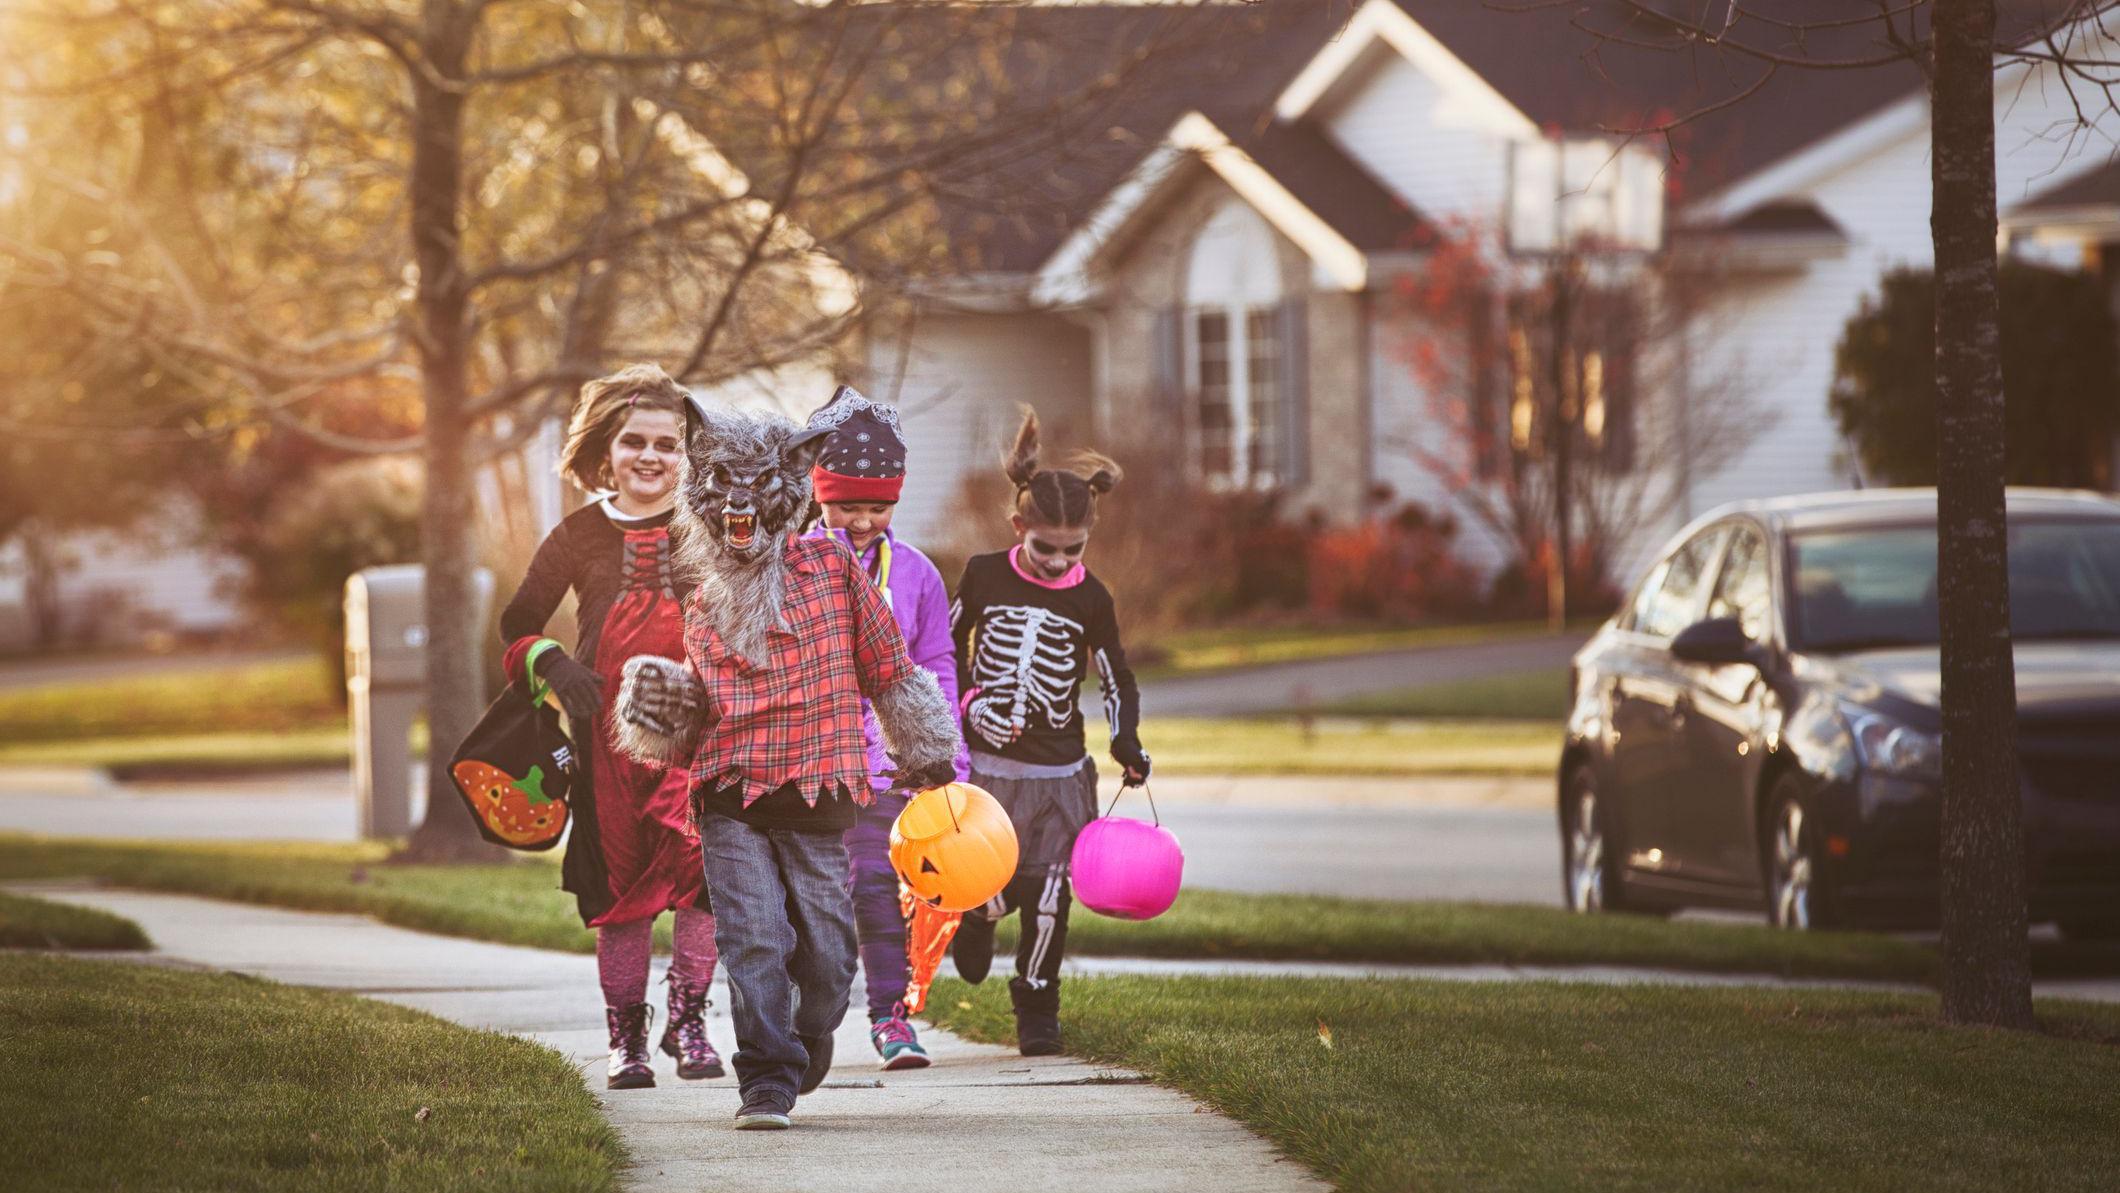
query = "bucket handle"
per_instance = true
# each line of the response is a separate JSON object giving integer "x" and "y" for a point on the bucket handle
{"x": 1158, "y": 816}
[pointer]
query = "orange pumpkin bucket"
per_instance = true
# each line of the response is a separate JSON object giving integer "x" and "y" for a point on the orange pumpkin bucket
{"x": 954, "y": 847}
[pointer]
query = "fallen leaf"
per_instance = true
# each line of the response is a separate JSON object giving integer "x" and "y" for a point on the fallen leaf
{"x": 1324, "y": 1034}
{"x": 1592, "y": 1047}
{"x": 423, "y": 1115}
{"x": 963, "y": 1005}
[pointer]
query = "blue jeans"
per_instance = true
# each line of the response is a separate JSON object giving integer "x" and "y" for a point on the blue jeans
{"x": 785, "y": 929}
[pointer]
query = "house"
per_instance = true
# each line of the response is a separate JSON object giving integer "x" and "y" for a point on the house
{"x": 1220, "y": 270}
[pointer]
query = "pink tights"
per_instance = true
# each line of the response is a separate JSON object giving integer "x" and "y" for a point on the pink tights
{"x": 623, "y": 950}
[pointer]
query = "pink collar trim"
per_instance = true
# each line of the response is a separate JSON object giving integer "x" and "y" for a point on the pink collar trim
{"x": 1073, "y": 577}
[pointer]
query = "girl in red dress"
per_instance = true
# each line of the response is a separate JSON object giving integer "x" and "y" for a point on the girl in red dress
{"x": 633, "y": 853}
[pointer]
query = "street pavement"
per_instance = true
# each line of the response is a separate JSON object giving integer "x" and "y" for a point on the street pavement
{"x": 1281, "y": 687}
{"x": 1484, "y": 840}
{"x": 981, "y": 1118}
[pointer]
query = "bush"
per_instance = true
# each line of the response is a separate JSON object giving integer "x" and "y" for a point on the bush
{"x": 1399, "y": 567}
{"x": 359, "y": 514}
{"x": 1519, "y": 589}
{"x": 2058, "y": 368}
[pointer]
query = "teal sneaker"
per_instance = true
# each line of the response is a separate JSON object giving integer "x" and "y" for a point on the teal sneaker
{"x": 898, "y": 1044}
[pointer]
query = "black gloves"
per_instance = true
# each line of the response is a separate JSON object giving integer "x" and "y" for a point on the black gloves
{"x": 580, "y": 690}
{"x": 917, "y": 779}
{"x": 1127, "y": 752}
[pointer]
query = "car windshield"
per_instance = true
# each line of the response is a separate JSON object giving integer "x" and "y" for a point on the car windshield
{"x": 1874, "y": 588}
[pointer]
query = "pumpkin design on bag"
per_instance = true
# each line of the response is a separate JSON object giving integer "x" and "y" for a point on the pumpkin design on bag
{"x": 517, "y": 810}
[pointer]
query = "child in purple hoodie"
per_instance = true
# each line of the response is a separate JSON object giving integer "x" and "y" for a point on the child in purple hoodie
{"x": 857, "y": 479}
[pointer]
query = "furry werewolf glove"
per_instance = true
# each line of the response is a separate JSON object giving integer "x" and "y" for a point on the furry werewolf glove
{"x": 580, "y": 690}
{"x": 919, "y": 730}
{"x": 659, "y": 712}
{"x": 1127, "y": 752}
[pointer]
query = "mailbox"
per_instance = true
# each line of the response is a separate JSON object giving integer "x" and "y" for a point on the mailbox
{"x": 386, "y": 670}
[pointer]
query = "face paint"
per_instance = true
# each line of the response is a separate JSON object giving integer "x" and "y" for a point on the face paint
{"x": 1051, "y": 551}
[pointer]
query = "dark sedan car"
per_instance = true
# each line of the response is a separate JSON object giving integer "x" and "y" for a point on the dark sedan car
{"x": 1759, "y": 724}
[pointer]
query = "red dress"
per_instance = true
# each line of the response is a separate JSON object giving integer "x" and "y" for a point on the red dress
{"x": 632, "y": 852}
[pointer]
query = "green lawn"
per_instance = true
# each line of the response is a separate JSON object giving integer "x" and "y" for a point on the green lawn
{"x": 122, "y": 1076}
{"x": 195, "y": 755}
{"x": 273, "y": 697}
{"x": 520, "y": 903}
{"x": 27, "y": 923}
{"x": 1346, "y": 746}
{"x": 1522, "y": 695}
{"x": 1444, "y": 1085}
{"x": 1222, "y": 647}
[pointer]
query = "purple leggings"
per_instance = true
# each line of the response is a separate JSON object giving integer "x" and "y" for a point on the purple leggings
{"x": 623, "y": 950}
{"x": 878, "y": 920}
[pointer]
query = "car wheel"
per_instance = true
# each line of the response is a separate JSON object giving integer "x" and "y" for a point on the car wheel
{"x": 1797, "y": 894}
{"x": 1589, "y": 879}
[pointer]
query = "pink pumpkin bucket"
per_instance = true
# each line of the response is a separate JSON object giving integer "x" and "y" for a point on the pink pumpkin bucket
{"x": 1127, "y": 869}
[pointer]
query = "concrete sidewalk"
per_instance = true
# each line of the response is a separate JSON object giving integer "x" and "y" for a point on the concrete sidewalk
{"x": 981, "y": 1118}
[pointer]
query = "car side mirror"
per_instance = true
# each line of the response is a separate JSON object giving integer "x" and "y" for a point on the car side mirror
{"x": 1716, "y": 641}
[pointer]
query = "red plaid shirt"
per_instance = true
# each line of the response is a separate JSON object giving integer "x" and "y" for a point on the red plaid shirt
{"x": 798, "y": 719}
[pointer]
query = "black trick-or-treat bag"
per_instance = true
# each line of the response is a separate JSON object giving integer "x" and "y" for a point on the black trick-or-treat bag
{"x": 516, "y": 767}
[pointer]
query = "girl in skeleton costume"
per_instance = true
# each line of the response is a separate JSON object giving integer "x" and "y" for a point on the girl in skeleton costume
{"x": 1030, "y": 624}
{"x": 632, "y": 854}
{"x": 857, "y": 479}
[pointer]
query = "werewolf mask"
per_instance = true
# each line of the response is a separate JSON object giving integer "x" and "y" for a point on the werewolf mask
{"x": 744, "y": 489}
{"x": 746, "y": 482}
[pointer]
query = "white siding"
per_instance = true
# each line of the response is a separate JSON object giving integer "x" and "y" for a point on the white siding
{"x": 1442, "y": 152}
{"x": 113, "y": 591}
{"x": 963, "y": 378}
{"x": 1782, "y": 329}
{"x": 1405, "y": 428}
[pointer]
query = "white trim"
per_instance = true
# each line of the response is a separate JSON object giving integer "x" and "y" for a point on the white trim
{"x": 1797, "y": 172}
{"x": 1064, "y": 278}
{"x": 1338, "y": 264}
{"x": 1384, "y": 23}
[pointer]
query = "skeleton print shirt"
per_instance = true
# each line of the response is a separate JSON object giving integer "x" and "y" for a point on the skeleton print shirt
{"x": 1023, "y": 649}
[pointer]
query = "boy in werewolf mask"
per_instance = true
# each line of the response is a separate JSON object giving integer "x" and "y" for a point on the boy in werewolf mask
{"x": 783, "y": 638}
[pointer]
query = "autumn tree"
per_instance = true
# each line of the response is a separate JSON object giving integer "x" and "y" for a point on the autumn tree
{"x": 1567, "y": 413}
{"x": 460, "y": 209}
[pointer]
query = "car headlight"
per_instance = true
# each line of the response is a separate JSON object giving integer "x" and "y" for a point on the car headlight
{"x": 1888, "y": 747}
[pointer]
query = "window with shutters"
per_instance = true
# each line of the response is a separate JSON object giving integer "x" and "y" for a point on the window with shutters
{"x": 1233, "y": 350}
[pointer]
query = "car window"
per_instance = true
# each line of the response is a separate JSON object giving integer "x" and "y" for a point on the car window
{"x": 1741, "y": 590}
{"x": 1645, "y": 596}
{"x": 1871, "y": 588}
{"x": 1670, "y": 604}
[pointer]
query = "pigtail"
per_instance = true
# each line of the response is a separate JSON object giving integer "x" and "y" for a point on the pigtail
{"x": 1020, "y": 462}
{"x": 1100, "y": 472}
{"x": 1055, "y": 496}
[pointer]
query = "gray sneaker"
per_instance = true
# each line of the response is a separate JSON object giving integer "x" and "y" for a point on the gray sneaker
{"x": 765, "y": 1110}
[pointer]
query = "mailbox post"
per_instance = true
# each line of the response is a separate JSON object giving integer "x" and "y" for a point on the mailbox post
{"x": 386, "y": 673}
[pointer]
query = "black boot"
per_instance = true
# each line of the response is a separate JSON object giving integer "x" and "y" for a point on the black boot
{"x": 972, "y": 949}
{"x": 1037, "y": 1017}
{"x": 685, "y": 1032}
{"x": 629, "y": 1047}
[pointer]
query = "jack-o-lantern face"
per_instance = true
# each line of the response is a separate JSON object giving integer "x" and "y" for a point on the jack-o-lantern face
{"x": 516, "y": 810}
{"x": 954, "y": 847}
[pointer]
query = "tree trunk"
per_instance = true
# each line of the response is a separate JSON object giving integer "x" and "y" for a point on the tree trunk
{"x": 1986, "y": 960}
{"x": 435, "y": 192}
